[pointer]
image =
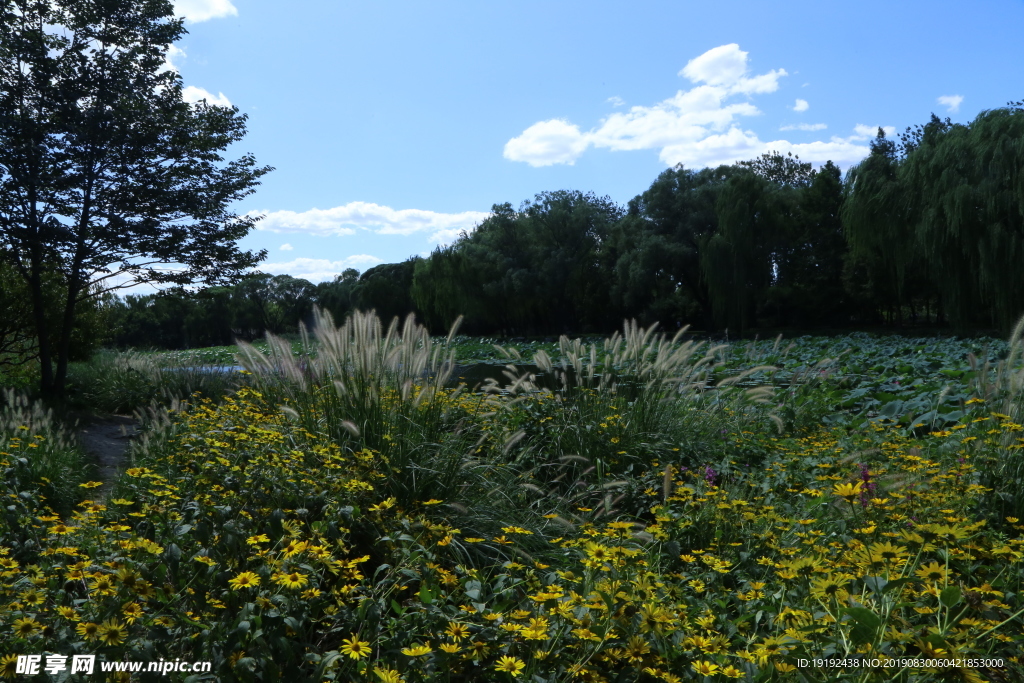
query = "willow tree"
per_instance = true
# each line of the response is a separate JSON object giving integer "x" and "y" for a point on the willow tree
{"x": 108, "y": 178}
{"x": 879, "y": 214}
{"x": 969, "y": 183}
{"x": 737, "y": 260}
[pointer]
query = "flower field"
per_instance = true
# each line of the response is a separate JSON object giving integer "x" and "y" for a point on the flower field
{"x": 675, "y": 512}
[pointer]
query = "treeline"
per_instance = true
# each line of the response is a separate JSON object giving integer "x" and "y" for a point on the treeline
{"x": 215, "y": 316}
{"x": 928, "y": 229}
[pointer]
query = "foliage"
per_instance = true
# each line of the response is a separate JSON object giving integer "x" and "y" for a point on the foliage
{"x": 108, "y": 178}
{"x": 264, "y": 535}
{"x": 123, "y": 382}
{"x": 42, "y": 454}
{"x": 522, "y": 270}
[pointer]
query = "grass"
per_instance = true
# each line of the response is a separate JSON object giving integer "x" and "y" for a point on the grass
{"x": 664, "y": 511}
{"x": 41, "y": 453}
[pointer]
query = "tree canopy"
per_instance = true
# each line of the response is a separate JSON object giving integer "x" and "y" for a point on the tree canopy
{"x": 108, "y": 178}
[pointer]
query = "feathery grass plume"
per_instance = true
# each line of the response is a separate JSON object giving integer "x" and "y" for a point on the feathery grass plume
{"x": 44, "y": 453}
{"x": 1003, "y": 386}
{"x": 386, "y": 391}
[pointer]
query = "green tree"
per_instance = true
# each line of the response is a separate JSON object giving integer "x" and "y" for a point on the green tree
{"x": 967, "y": 184}
{"x": 657, "y": 248}
{"x": 886, "y": 267}
{"x": 387, "y": 289}
{"x": 108, "y": 178}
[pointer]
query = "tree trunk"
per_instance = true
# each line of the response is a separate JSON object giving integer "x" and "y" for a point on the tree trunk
{"x": 35, "y": 282}
{"x": 64, "y": 348}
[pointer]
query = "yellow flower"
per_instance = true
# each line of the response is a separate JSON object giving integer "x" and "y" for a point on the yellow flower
{"x": 112, "y": 632}
{"x": 704, "y": 668}
{"x": 88, "y": 630}
{"x": 450, "y": 648}
{"x": 355, "y": 648}
{"x": 417, "y": 650}
{"x": 291, "y": 580}
{"x": 8, "y": 666}
{"x": 245, "y": 580}
{"x": 132, "y": 611}
{"x": 26, "y": 627}
{"x": 934, "y": 572}
{"x": 732, "y": 672}
{"x": 388, "y": 675}
{"x": 848, "y": 491}
{"x": 511, "y": 665}
{"x": 457, "y": 631}
{"x": 68, "y": 613}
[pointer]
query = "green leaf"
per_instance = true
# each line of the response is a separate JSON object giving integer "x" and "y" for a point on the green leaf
{"x": 950, "y": 596}
{"x": 866, "y": 627}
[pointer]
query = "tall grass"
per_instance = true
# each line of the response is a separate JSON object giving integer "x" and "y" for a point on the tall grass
{"x": 1002, "y": 385}
{"x": 43, "y": 453}
{"x": 384, "y": 390}
{"x": 122, "y": 382}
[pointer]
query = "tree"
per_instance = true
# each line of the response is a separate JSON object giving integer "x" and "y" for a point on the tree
{"x": 108, "y": 178}
{"x": 659, "y": 245}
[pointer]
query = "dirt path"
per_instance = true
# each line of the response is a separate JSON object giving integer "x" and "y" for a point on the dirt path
{"x": 106, "y": 441}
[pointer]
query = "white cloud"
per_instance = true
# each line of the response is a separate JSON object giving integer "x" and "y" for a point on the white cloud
{"x": 173, "y": 53}
{"x": 696, "y": 127}
{"x": 319, "y": 269}
{"x": 548, "y": 142}
{"x": 726, "y": 67}
{"x": 862, "y": 132}
{"x": 616, "y": 101}
{"x": 951, "y": 102}
{"x": 193, "y": 94}
{"x": 804, "y": 126}
{"x": 286, "y": 247}
{"x": 701, "y": 116}
{"x": 383, "y": 220}
{"x": 196, "y": 11}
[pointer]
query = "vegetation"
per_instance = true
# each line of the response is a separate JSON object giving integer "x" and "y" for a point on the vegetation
{"x": 108, "y": 178}
{"x": 667, "y": 510}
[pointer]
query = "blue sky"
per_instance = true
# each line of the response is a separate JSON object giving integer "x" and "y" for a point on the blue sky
{"x": 394, "y": 125}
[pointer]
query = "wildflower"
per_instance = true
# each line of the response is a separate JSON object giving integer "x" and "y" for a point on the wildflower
{"x": 8, "y": 666}
{"x": 636, "y": 648}
{"x": 457, "y": 631}
{"x": 245, "y": 580}
{"x": 26, "y": 627}
{"x": 704, "y": 668}
{"x": 68, "y": 613}
{"x": 112, "y": 632}
{"x": 291, "y": 580}
{"x": 88, "y": 630}
{"x": 848, "y": 491}
{"x": 450, "y": 648}
{"x": 511, "y": 665}
{"x": 132, "y": 611}
{"x": 417, "y": 650}
{"x": 355, "y": 648}
{"x": 934, "y": 572}
{"x": 388, "y": 675}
